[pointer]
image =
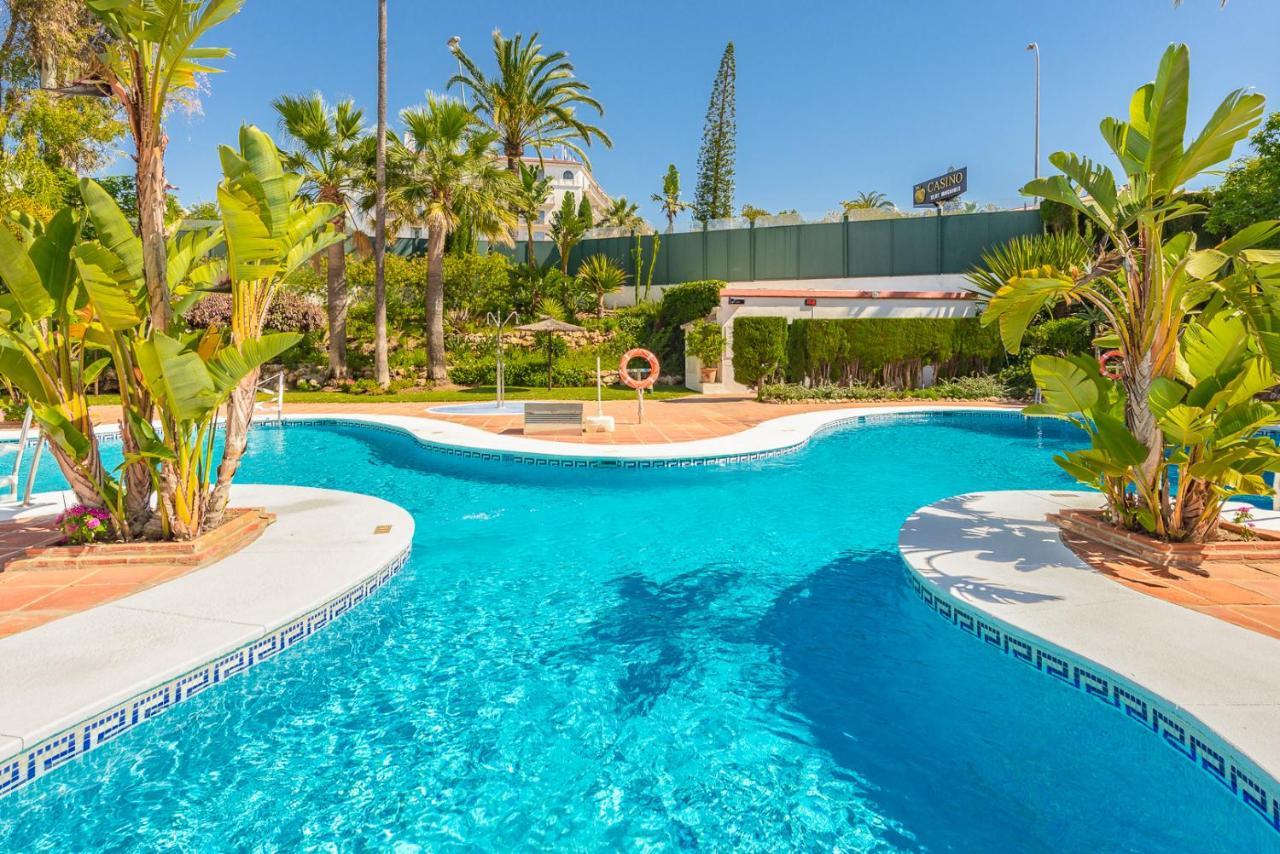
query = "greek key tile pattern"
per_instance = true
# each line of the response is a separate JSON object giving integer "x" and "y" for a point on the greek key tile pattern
{"x": 1193, "y": 741}
{"x": 29, "y": 765}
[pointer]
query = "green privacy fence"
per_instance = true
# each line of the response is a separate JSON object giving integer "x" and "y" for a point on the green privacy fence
{"x": 907, "y": 246}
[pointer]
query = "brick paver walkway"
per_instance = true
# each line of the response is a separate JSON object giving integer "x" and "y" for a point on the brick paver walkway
{"x": 1246, "y": 594}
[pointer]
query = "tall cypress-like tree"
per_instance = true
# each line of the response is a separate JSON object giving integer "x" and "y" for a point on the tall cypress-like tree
{"x": 713, "y": 196}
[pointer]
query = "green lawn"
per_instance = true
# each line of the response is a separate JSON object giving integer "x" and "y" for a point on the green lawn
{"x": 475, "y": 393}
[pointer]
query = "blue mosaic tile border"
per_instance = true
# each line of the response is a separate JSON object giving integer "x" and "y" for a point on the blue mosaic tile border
{"x": 54, "y": 752}
{"x": 1191, "y": 739}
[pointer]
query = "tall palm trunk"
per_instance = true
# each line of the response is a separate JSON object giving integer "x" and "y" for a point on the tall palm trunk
{"x": 435, "y": 302}
{"x": 530, "y": 257}
{"x": 380, "y": 217}
{"x": 239, "y": 419}
{"x": 337, "y": 302}
{"x": 150, "y": 186}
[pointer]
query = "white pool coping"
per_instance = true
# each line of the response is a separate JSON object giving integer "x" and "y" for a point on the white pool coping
{"x": 69, "y": 685}
{"x": 992, "y": 564}
{"x": 784, "y": 433}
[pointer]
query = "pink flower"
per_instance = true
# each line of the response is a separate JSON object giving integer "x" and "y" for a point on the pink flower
{"x": 92, "y": 522}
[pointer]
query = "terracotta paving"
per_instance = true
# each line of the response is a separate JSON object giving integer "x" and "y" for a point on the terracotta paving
{"x": 672, "y": 420}
{"x": 34, "y": 596}
{"x": 1246, "y": 594}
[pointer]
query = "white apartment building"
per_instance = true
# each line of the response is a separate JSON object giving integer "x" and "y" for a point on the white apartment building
{"x": 567, "y": 175}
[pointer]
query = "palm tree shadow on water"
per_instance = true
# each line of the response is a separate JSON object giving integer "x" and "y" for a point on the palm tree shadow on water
{"x": 963, "y": 747}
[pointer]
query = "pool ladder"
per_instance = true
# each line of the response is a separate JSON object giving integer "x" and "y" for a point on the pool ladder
{"x": 11, "y": 481}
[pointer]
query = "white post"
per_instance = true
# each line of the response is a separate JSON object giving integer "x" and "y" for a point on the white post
{"x": 599, "y": 390}
{"x": 280, "y": 396}
{"x": 640, "y": 405}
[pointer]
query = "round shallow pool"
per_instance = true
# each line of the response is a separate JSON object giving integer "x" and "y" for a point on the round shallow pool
{"x": 489, "y": 407}
{"x": 716, "y": 658}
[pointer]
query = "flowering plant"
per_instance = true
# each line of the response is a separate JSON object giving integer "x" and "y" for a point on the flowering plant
{"x": 82, "y": 524}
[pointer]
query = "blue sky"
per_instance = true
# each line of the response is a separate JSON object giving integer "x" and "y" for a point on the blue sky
{"x": 832, "y": 98}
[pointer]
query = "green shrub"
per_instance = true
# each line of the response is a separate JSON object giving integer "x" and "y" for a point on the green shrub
{"x": 887, "y": 351}
{"x": 981, "y": 387}
{"x": 688, "y": 301}
{"x": 759, "y": 348}
{"x": 705, "y": 342}
{"x": 365, "y": 386}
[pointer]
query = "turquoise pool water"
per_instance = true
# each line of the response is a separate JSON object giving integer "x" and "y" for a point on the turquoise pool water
{"x": 713, "y": 658}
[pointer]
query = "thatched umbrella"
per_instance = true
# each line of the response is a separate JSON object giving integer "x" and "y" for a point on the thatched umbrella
{"x": 551, "y": 326}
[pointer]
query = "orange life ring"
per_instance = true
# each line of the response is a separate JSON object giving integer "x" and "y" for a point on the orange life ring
{"x": 625, "y": 376}
{"x": 1110, "y": 373}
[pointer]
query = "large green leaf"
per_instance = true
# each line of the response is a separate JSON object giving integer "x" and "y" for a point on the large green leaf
{"x": 51, "y": 254}
{"x": 1064, "y": 385}
{"x": 1114, "y": 439}
{"x": 232, "y": 364}
{"x": 1213, "y": 346}
{"x": 176, "y": 377}
{"x": 115, "y": 304}
{"x": 59, "y": 430}
{"x": 1161, "y": 116}
{"x": 113, "y": 228}
{"x": 21, "y": 277}
{"x": 1237, "y": 115}
{"x": 18, "y": 370}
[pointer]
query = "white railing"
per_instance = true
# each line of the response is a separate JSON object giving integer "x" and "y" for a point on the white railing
{"x": 273, "y": 386}
{"x": 10, "y": 481}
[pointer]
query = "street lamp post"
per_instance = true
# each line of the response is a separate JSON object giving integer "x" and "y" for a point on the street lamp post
{"x": 455, "y": 45}
{"x": 1034, "y": 47}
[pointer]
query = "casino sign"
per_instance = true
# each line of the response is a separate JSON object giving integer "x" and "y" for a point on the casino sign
{"x": 935, "y": 191}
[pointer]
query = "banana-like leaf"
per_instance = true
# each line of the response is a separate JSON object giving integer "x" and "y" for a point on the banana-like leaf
{"x": 1015, "y": 305}
{"x": 51, "y": 254}
{"x": 1237, "y": 116}
{"x": 176, "y": 377}
{"x": 113, "y": 228}
{"x": 22, "y": 278}
{"x": 1162, "y": 116}
{"x": 18, "y": 371}
{"x": 1114, "y": 439}
{"x": 115, "y": 304}
{"x": 1214, "y": 346}
{"x": 1064, "y": 385}
{"x": 1250, "y": 236}
{"x": 58, "y": 429}
{"x": 232, "y": 364}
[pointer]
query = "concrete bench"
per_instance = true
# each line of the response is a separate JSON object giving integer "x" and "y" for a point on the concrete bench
{"x": 548, "y": 417}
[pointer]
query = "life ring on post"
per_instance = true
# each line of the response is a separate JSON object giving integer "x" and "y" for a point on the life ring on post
{"x": 1105, "y": 366}
{"x": 625, "y": 376}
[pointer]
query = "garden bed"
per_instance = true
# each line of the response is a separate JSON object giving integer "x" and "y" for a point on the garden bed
{"x": 1237, "y": 544}
{"x": 242, "y": 527}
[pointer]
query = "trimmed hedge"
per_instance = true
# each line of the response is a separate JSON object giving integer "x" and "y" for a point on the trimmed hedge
{"x": 688, "y": 301}
{"x": 759, "y": 348}
{"x": 888, "y": 351}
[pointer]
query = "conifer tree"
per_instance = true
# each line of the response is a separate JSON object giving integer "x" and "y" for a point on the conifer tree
{"x": 713, "y": 196}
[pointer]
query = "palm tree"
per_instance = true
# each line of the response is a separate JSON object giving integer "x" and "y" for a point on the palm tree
{"x": 751, "y": 213}
{"x": 872, "y": 201}
{"x": 530, "y": 195}
{"x": 622, "y": 214}
{"x": 153, "y": 55}
{"x": 330, "y": 156}
{"x": 380, "y": 217}
{"x": 669, "y": 198}
{"x": 568, "y": 225}
{"x": 603, "y": 276}
{"x": 533, "y": 99}
{"x": 445, "y": 172}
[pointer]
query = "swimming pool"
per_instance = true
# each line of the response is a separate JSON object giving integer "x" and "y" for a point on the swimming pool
{"x": 721, "y": 657}
{"x": 489, "y": 407}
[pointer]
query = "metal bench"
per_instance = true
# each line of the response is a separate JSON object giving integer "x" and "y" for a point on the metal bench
{"x": 548, "y": 417}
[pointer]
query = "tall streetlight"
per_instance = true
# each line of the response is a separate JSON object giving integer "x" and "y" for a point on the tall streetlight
{"x": 1035, "y": 48}
{"x": 455, "y": 47}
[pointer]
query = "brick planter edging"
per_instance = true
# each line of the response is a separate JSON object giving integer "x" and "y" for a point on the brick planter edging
{"x": 1090, "y": 525}
{"x": 243, "y": 526}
